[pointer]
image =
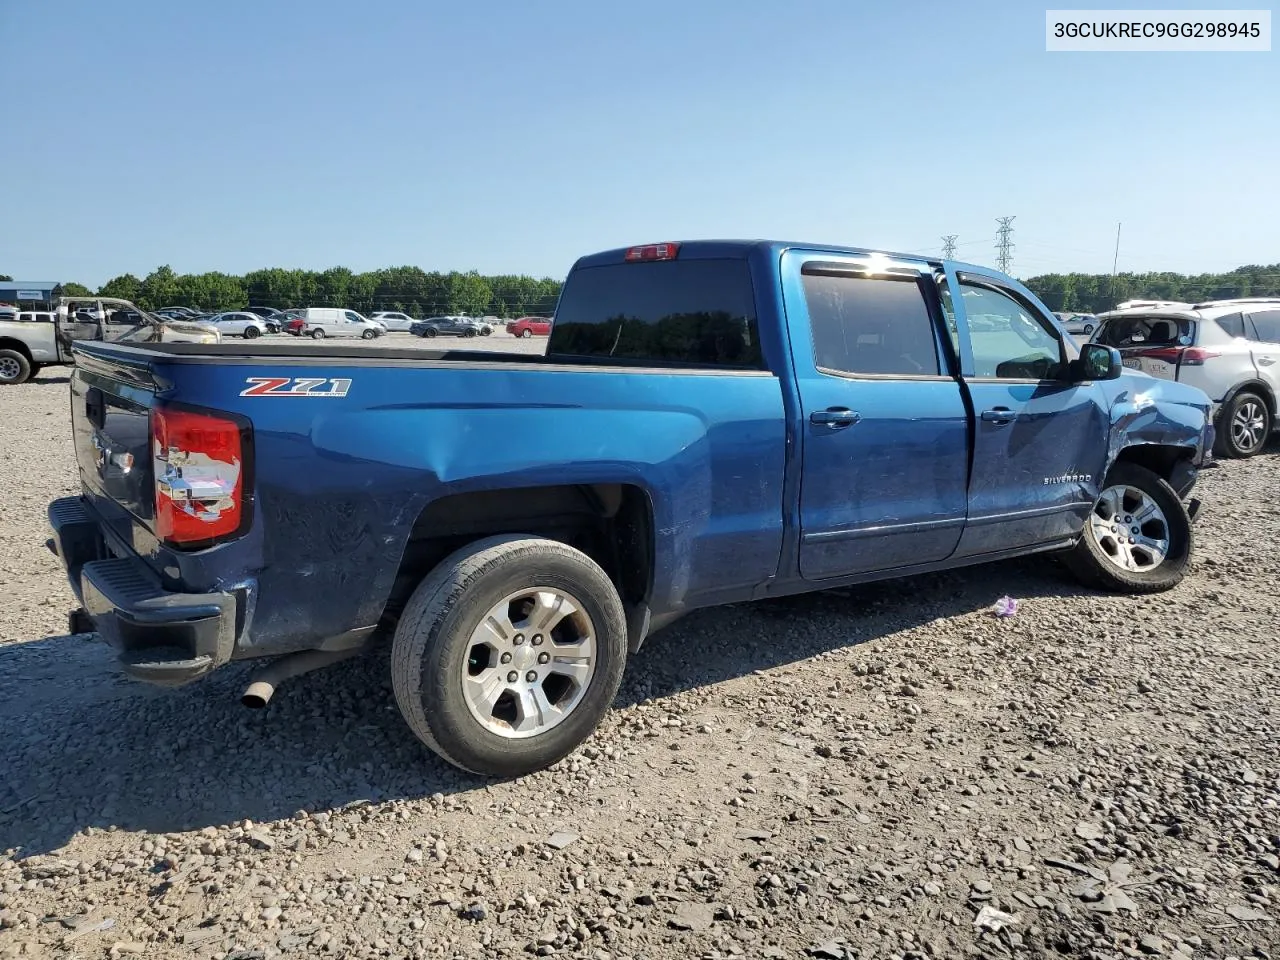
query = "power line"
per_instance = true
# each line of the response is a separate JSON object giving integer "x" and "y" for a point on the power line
{"x": 949, "y": 246}
{"x": 1004, "y": 243}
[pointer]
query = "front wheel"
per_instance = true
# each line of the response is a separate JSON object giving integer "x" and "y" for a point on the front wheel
{"x": 509, "y": 654}
{"x": 368, "y": 335}
{"x": 429, "y": 332}
{"x": 1088, "y": 329}
{"x": 526, "y": 332}
{"x": 1245, "y": 425}
{"x": 1137, "y": 538}
{"x": 317, "y": 334}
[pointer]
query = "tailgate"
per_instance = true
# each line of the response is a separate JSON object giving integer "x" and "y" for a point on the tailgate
{"x": 111, "y": 399}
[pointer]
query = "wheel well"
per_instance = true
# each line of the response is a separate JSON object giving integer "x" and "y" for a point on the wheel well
{"x": 7, "y": 343}
{"x": 1253, "y": 386}
{"x": 1160, "y": 460}
{"x": 610, "y": 522}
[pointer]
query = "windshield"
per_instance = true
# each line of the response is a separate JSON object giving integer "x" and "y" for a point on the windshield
{"x": 1146, "y": 332}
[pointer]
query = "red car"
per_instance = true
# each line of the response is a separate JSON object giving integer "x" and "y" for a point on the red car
{"x": 530, "y": 327}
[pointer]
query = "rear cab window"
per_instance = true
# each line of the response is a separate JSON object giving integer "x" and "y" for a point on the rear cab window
{"x": 1146, "y": 331}
{"x": 694, "y": 312}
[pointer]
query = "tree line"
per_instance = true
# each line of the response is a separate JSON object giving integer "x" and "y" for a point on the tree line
{"x": 407, "y": 289}
{"x": 1094, "y": 293}
{"x": 421, "y": 293}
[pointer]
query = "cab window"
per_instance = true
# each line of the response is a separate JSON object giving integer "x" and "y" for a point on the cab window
{"x": 1009, "y": 341}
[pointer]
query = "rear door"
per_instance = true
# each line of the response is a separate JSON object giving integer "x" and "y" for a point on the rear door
{"x": 1040, "y": 440}
{"x": 885, "y": 429}
{"x": 1266, "y": 347}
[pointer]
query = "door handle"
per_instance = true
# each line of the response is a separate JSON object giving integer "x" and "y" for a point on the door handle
{"x": 999, "y": 415}
{"x": 835, "y": 417}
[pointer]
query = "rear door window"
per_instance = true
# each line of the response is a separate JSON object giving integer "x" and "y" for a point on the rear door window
{"x": 870, "y": 325}
{"x": 1267, "y": 325}
{"x": 697, "y": 312}
{"x": 1124, "y": 332}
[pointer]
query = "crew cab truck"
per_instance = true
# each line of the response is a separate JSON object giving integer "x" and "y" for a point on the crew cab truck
{"x": 712, "y": 422}
{"x": 34, "y": 339}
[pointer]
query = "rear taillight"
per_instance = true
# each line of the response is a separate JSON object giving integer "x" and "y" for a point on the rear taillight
{"x": 1196, "y": 356}
{"x": 199, "y": 465}
{"x": 1167, "y": 354}
{"x": 654, "y": 251}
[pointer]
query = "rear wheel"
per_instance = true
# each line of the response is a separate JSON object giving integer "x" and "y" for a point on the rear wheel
{"x": 1245, "y": 425}
{"x": 251, "y": 332}
{"x": 317, "y": 334}
{"x": 508, "y": 654}
{"x": 14, "y": 367}
{"x": 1137, "y": 539}
{"x": 1088, "y": 329}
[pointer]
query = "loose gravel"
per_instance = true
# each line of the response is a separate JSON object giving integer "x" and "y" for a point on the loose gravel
{"x": 887, "y": 771}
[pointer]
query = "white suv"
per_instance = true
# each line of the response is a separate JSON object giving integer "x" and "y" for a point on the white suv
{"x": 1230, "y": 349}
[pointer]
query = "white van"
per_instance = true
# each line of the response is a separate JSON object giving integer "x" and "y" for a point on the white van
{"x": 321, "y": 322}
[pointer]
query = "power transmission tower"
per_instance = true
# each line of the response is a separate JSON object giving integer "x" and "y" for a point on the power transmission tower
{"x": 1004, "y": 245}
{"x": 949, "y": 246}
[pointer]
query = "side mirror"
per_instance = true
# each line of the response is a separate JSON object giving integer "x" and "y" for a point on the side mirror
{"x": 1099, "y": 362}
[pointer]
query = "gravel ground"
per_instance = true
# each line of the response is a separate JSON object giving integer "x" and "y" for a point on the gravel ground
{"x": 862, "y": 773}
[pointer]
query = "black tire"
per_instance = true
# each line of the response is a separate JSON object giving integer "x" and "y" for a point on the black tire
{"x": 430, "y": 332}
{"x": 432, "y": 648}
{"x": 526, "y": 332}
{"x": 317, "y": 333}
{"x": 1233, "y": 439}
{"x": 1090, "y": 560}
{"x": 14, "y": 367}
{"x": 368, "y": 335}
{"x": 1088, "y": 329}
{"x": 470, "y": 332}
{"x": 251, "y": 332}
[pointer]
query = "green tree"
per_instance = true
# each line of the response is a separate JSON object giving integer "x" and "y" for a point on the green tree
{"x": 125, "y": 287}
{"x": 159, "y": 289}
{"x": 72, "y": 290}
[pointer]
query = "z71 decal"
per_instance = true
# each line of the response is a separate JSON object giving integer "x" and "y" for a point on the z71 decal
{"x": 295, "y": 387}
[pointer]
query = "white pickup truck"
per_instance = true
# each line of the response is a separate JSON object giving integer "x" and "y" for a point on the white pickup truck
{"x": 31, "y": 339}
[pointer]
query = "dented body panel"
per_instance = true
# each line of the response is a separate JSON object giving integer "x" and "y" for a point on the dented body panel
{"x": 753, "y": 487}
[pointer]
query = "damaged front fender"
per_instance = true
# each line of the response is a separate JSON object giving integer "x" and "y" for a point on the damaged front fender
{"x": 1167, "y": 425}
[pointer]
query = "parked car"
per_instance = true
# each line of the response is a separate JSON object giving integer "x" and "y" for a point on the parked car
{"x": 530, "y": 327}
{"x": 180, "y": 311}
{"x": 445, "y": 326}
{"x": 240, "y": 324}
{"x": 1230, "y": 349}
{"x": 701, "y": 414}
{"x": 391, "y": 320}
{"x": 321, "y": 322}
{"x": 266, "y": 313}
{"x": 1078, "y": 324}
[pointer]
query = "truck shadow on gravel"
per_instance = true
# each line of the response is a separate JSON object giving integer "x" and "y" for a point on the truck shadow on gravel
{"x": 82, "y": 747}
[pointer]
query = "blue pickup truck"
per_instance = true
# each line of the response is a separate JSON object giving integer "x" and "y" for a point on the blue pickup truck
{"x": 713, "y": 422}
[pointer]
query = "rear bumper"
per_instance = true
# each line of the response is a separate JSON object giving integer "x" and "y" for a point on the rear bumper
{"x": 162, "y": 636}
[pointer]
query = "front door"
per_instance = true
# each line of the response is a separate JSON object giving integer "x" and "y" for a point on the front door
{"x": 1040, "y": 440}
{"x": 885, "y": 441}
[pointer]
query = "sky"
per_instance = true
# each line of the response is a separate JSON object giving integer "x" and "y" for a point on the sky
{"x": 512, "y": 137}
